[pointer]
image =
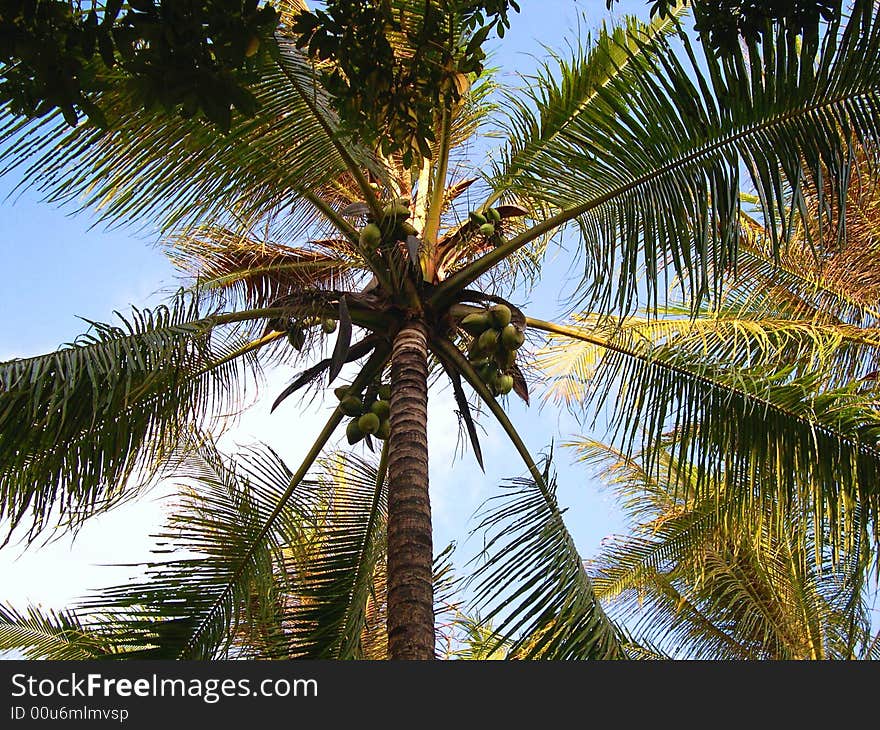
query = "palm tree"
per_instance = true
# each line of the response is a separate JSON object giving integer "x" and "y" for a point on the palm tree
{"x": 293, "y": 225}
{"x": 771, "y": 580}
{"x": 694, "y": 585}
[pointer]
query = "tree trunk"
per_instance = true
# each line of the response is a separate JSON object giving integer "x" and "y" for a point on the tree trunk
{"x": 410, "y": 547}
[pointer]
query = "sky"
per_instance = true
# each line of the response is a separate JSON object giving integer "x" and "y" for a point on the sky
{"x": 60, "y": 271}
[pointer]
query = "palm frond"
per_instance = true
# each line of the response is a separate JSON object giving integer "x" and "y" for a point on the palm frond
{"x": 554, "y": 98}
{"x": 649, "y": 167}
{"x": 821, "y": 442}
{"x": 740, "y": 336}
{"x": 707, "y": 585}
{"x": 77, "y": 423}
{"x": 242, "y": 270}
{"x": 229, "y": 526}
{"x": 52, "y": 635}
{"x": 337, "y": 585}
{"x": 153, "y": 166}
{"x": 840, "y": 281}
{"x": 530, "y": 580}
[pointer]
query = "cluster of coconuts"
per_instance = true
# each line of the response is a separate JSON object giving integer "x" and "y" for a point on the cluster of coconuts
{"x": 486, "y": 221}
{"x": 393, "y": 226}
{"x": 369, "y": 415}
{"x": 492, "y": 349}
{"x": 296, "y": 329}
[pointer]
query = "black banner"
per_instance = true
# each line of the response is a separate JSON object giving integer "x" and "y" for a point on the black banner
{"x": 160, "y": 695}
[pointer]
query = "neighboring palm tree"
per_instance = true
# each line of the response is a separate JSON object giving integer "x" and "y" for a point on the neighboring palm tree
{"x": 696, "y": 584}
{"x": 776, "y": 578}
{"x": 638, "y": 141}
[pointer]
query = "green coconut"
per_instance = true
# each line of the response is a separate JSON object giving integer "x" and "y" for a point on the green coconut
{"x": 369, "y": 423}
{"x": 353, "y": 432}
{"x": 351, "y": 406}
{"x": 494, "y": 215}
{"x": 384, "y": 430}
{"x": 341, "y": 392}
{"x": 370, "y": 236}
{"x": 500, "y": 315}
{"x": 503, "y": 384}
{"x": 487, "y": 229}
{"x": 381, "y": 408}
{"x": 511, "y": 337}
{"x": 476, "y": 323}
{"x": 405, "y": 228}
{"x": 296, "y": 337}
{"x": 505, "y": 359}
{"x": 488, "y": 373}
{"x": 488, "y": 341}
{"x": 328, "y": 325}
{"x": 395, "y": 210}
{"x": 477, "y": 217}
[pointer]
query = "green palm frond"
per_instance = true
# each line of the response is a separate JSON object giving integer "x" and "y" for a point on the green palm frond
{"x": 77, "y": 423}
{"x": 821, "y": 442}
{"x": 529, "y": 580}
{"x": 549, "y": 107}
{"x": 705, "y": 584}
{"x": 48, "y": 634}
{"x": 237, "y": 523}
{"x": 227, "y": 526}
{"x": 154, "y": 166}
{"x": 653, "y": 164}
{"x": 337, "y": 581}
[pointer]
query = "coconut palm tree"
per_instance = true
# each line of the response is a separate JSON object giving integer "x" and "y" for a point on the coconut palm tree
{"x": 295, "y": 223}
{"x": 772, "y": 580}
{"x": 695, "y": 585}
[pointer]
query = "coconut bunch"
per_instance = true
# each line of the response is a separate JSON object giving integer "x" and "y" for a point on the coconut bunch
{"x": 369, "y": 415}
{"x": 296, "y": 328}
{"x": 487, "y": 223}
{"x": 393, "y": 225}
{"x": 493, "y": 346}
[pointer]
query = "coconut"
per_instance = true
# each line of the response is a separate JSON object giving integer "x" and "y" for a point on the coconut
{"x": 395, "y": 210}
{"x": 477, "y": 217}
{"x": 503, "y": 383}
{"x": 476, "y": 324}
{"x": 351, "y": 406}
{"x": 505, "y": 359}
{"x": 488, "y": 341}
{"x": 500, "y": 315}
{"x": 381, "y": 408}
{"x": 353, "y": 432}
{"x": 404, "y": 229}
{"x": 384, "y": 430}
{"x": 475, "y": 351}
{"x": 487, "y": 229}
{"x": 494, "y": 215}
{"x": 253, "y": 45}
{"x": 488, "y": 372}
{"x": 341, "y": 392}
{"x": 296, "y": 337}
{"x": 511, "y": 337}
{"x": 328, "y": 325}
{"x": 369, "y": 422}
{"x": 370, "y": 236}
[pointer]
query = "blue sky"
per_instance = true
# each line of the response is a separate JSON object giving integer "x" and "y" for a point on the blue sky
{"x": 58, "y": 269}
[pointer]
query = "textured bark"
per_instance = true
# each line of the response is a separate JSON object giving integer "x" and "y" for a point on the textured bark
{"x": 410, "y": 550}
